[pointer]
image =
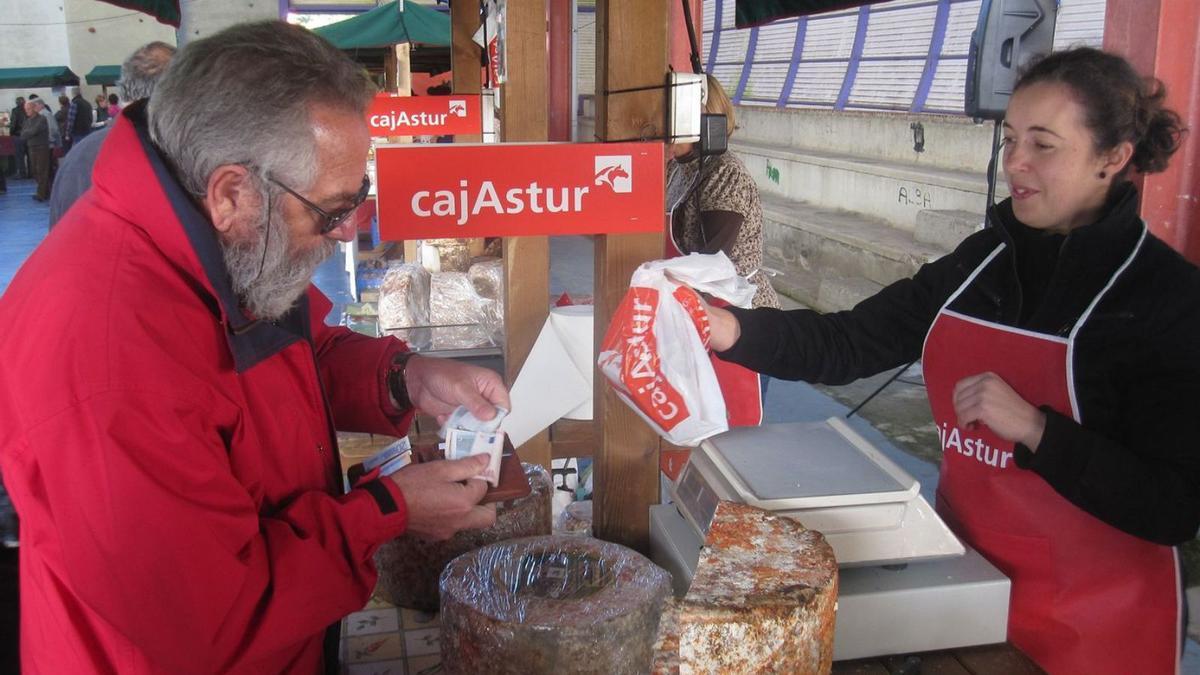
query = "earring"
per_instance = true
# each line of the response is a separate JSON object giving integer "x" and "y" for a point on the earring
{"x": 1103, "y": 175}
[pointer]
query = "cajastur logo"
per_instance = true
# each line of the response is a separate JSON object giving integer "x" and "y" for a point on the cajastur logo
{"x": 615, "y": 172}
{"x": 458, "y": 107}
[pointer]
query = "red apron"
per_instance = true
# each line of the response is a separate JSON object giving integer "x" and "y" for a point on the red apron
{"x": 1086, "y": 597}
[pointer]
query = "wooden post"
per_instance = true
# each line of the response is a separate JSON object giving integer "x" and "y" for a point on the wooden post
{"x": 523, "y": 117}
{"x": 631, "y": 51}
{"x": 465, "y": 54}
{"x": 561, "y": 29}
{"x": 1160, "y": 38}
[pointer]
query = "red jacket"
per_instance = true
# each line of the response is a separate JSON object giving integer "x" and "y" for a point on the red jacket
{"x": 174, "y": 463}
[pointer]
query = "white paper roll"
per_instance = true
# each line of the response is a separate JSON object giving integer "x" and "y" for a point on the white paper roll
{"x": 573, "y": 324}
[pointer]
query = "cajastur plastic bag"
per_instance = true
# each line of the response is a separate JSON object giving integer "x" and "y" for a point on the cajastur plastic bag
{"x": 655, "y": 353}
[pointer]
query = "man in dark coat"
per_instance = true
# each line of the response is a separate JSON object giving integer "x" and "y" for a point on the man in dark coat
{"x": 79, "y": 120}
{"x": 15, "y": 121}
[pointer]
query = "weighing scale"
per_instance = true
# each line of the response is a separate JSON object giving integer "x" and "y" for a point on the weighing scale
{"x": 906, "y": 583}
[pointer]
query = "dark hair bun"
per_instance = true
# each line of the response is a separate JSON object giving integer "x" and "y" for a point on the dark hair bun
{"x": 1161, "y": 130}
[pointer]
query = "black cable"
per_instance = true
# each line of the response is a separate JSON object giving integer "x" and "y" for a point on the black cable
{"x": 883, "y": 386}
{"x": 687, "y": 17}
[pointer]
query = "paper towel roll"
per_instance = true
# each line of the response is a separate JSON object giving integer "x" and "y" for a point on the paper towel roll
{"x": 573, "y": 323}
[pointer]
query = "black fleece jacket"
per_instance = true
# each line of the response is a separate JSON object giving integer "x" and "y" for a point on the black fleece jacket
{"x": 1134, "y": 462}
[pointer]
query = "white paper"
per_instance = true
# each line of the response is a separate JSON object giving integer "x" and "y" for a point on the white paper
{"x": 548, "y": 387}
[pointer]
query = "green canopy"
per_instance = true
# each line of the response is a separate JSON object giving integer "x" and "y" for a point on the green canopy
{"x": 49, "y": 76}
{"x": 165, "y": 11}
{"x": 103, "y": 75}
{"x": 385, "y": 25}
{"x": 757, "y": 12}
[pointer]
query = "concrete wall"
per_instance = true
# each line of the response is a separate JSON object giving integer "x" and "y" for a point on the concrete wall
{"x": 952, "y": 143}
{"x": 202, "y": 18}
{"x": 80, "y": 34}
{"x": 97, "y": 39}
{"x": 32, "y": 34}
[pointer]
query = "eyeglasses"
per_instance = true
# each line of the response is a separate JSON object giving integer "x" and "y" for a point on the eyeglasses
{"x": 332, "y": 220}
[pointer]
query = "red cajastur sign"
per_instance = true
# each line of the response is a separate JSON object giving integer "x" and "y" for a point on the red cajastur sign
{"x": 424, "y": 115}
{"x": 509, "y": 189}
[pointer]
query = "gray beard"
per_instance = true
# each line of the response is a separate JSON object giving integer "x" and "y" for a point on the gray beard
{"x": 285, "y": 274}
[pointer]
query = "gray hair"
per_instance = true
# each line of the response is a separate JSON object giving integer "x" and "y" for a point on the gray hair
{"x": 142, "y": 69}
{"x": 242, "y": 96}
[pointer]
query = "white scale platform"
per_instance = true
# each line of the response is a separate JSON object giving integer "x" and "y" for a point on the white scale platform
{"x": 906, "y": 583}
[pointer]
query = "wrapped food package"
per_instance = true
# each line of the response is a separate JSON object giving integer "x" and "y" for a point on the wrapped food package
{"x": 487, "y": 275}
{"x": 404, "y": 296}
{"x": 409, "y": 567}
{"x": 555, "y": 604}
{"x": 762, "y": 600}
{"x": 454, "y": 255}
{"x": 576, "y": 519}
{"x": 470, "y": 320}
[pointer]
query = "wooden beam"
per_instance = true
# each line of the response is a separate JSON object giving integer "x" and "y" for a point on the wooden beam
{"x": 523, "y": 117}
{"x": 465, "y": 54}
{"x": 631, "y": 51}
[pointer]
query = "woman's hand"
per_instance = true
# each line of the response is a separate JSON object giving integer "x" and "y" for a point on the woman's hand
{"x": 987, "y": 399}
{"x": 723, "y": 326}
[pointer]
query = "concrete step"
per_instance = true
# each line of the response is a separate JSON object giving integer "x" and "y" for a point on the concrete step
{"x": 832, "y": 259}
{"x": 946, "y": 229}
{"x": 887, "y": 190}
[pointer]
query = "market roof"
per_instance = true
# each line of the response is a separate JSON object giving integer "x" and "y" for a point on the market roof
{"x": 385, "y": 25}
{"x": 103, "y": 75}
{"x": 47, "y": 76}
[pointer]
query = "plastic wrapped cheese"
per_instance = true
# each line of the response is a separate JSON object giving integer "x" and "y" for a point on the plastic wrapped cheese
{"x": 556, "y": 604}
{"x": 409, "y": 567}
{"x": 404, "y": 296}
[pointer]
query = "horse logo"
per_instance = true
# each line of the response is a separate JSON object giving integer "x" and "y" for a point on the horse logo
{"x": 458, "y": 107}
{"x": 615, "y": 172}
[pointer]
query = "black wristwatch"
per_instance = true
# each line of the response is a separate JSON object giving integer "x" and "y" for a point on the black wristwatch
{"x": 395, "y": 379}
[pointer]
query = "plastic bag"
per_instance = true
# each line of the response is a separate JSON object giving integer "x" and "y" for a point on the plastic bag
{"x": 655, "y": 351}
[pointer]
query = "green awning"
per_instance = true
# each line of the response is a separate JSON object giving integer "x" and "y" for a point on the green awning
{"x": 103, "y": 75}
{"x": 385, "y": 25}
{"x": 49, "y": 76}
{"x": 757, "y": 12}
{"x": 165, "y": 11}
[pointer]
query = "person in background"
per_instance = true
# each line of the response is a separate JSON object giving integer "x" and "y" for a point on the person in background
{"x": 101, "y": 109}
{"x": 52, "y": 124}
{"x": 15, "y": 121}
{"x": 36, "y": 133}
{"x": 60, "y": 117}
{"x": 170, "y": 390}
{"x": 79, "y": 120}
{"x": 139, "y": 73}
{"x": 715, "y": 204}
{"x": 1061, "y": 351}
{"x": 114, "y": 103}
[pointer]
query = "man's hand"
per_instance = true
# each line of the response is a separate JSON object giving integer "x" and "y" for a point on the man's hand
{"x": 443, "y": 498}
{"x": 987, "y": 399}
{"x": 437, "y": 386}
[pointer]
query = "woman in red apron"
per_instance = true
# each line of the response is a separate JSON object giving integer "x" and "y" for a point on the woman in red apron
{"x": 1061, "y": 351}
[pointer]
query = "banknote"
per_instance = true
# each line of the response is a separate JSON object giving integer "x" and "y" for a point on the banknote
{"x": 396, "y": 463}
{"x": 387, "y": 454}
{"x": 461, "y": 443}
{"x": 462, "y": 418}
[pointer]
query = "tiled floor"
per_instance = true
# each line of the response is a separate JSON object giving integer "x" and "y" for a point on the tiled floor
{"x": 22, "y": 227}
{"x": 386, "y": 640}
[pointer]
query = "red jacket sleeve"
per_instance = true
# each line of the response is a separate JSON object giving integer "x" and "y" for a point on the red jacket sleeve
{"x": 353, "y": 370}
{"x": 156, "y": 536}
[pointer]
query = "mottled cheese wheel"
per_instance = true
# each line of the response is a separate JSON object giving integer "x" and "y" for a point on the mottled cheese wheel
{"x": 557, "y": 604}
{"x": 762, "y": 600}
{"x": 409, "y": 567}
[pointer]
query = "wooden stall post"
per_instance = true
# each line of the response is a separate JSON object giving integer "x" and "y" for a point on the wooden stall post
{"x": 465, "y": 54}
{"x": 523, "y": 117}
{"x": 631, "y": 52}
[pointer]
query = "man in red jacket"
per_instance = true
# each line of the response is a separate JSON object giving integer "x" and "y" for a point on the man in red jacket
{"x": 169, "y": 390}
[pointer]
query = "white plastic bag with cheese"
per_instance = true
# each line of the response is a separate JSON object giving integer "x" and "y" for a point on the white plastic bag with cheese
{"x": 655, "y": 352}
